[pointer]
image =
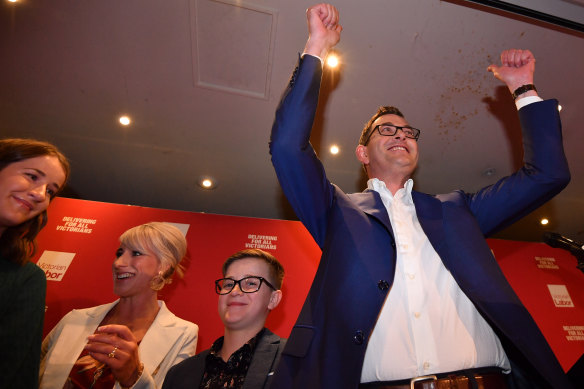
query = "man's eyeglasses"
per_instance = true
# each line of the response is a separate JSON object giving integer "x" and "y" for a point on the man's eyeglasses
{"x": 246, "y": 285}
{"x": 387, "y": 129}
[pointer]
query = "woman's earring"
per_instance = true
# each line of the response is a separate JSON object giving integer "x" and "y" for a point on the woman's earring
{"x": 158, "y": 281}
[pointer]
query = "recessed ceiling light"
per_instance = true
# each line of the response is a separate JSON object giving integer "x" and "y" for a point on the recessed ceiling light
{"x": 559, "y": 107}
{"x": 544, "y": 221}
{"x": 125, "y": 120}
{"x": 332, "y": 61}
{"x": 207, "y": 183}
{"x": 334, "y": 149}
{"x": 489, "y": 172}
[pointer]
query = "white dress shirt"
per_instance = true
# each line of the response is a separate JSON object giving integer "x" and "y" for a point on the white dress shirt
{"x": 427, "y": 324}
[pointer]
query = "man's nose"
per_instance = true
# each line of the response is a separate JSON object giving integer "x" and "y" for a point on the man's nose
{"x": 399, "y": 133}
{"x": 236, "y": 289}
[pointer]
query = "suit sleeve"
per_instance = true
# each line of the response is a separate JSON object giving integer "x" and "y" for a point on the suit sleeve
{"x": 300, "y": 172}
{"x": 543, "y": 175}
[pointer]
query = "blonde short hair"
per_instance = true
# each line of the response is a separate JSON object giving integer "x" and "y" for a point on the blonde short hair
{"x": 164, "y": 240}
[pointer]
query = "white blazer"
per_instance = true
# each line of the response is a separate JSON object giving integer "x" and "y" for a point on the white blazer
{"x": 168, "y": 341}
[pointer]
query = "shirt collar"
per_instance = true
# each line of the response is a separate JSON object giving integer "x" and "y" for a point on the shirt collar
{"x": 249, "y": 346}
{"x": 405, "y": 194}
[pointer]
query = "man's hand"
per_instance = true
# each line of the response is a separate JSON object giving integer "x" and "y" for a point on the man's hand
{"x": 517, "y": 68}
{"x": 324, "y": 30}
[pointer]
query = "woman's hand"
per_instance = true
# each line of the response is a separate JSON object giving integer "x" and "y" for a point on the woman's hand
{"x": 116, "y": 346}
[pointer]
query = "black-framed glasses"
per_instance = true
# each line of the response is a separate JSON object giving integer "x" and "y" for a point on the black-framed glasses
{"x": 388, "y": 129}
{"x": 246, "y": 285}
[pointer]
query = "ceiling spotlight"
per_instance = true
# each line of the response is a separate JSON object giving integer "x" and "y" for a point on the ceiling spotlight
{"x": 334, "y": 149}
{"x": 12, "y": 1}
{"x": 125, "y": 120}
{"x": 544, "y": 221}
{"x": 559, "y": 108}
{"x": 332, "y": 61}
{"x": 207, "y": 183}
{"x": 489, "y": 172}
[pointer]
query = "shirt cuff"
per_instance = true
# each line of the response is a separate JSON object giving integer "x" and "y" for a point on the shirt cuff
{"x": 522, "y": 102}
{"x": 315, "y": 56}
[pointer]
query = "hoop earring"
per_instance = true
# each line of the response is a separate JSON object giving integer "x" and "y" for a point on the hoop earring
{"x": 158, "y": 282}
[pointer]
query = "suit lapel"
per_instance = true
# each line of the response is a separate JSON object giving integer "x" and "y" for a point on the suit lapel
{"x": 262, "y": 361}
{"x": 159, "y": 339}
{"x": 369, "y": 201}
{"x": 70, "y": 342}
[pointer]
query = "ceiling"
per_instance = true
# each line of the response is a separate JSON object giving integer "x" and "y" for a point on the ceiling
{"x": 201, "y": 80}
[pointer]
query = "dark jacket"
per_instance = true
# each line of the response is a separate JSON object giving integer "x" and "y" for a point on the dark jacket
{"x": 327, "y": 345}
{"x": 189, "y": 373}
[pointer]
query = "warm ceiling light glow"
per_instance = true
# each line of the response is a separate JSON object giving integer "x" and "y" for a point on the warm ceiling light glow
{"x": 559, "y": 107}
{"x": 12, "y": 1}
{"x": 334, "y": 149}
{"x": 207, "y": 183}
{"x": 544, "y": 221}
{"x": 125, "y": 120}
{"x": 332, "y": 61}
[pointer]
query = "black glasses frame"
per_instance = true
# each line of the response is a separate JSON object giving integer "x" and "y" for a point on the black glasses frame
{"x": 415, "y": 137}
{"x": 238, "y": 282}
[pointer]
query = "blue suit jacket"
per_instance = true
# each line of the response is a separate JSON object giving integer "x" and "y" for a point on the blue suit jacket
{"x": 327, "y": 345}
{"x": 189, "y": 373}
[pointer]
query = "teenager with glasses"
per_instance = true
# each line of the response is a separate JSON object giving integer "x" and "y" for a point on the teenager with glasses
{"x": 407, "y": 292}
{"x": 246, "y": 355}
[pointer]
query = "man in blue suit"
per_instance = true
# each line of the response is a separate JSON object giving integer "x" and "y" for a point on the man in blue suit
{"x": 407, "y": 290}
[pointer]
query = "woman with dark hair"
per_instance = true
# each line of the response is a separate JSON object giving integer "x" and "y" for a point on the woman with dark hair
{"x": 31, "y": 175}
{"x": 135, "y": 340}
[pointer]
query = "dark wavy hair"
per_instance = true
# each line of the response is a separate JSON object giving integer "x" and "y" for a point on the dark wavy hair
{"x": 17, "y": 243}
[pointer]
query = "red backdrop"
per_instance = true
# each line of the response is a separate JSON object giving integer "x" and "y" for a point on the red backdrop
{"x": 77, "y": 248}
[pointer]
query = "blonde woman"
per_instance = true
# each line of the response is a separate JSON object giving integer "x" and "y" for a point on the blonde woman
{"x": 133, "y": 341}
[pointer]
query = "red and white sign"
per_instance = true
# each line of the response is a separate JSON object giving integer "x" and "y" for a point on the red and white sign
{"x": 77, "y": 248}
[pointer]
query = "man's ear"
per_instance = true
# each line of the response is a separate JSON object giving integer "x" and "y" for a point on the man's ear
{"x": 361, "y": 153}
{"x": 275, "y": 299}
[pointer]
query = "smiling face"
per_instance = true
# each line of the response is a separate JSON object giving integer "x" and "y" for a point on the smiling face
{"x": 387, "y": 157}
{"x": 27, "y": 187}
{"x": 133, "y": 271}
{"x": 248, "y": 311}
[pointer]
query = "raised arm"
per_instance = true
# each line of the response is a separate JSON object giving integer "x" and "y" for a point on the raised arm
{"x": 545, "y": 170}
{"x": 516, "y": 70}
{"x": 301, "y": 174}
{"x": 324, "y": 30}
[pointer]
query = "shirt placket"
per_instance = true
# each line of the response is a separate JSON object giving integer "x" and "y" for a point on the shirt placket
{"x": 418, "y": 320}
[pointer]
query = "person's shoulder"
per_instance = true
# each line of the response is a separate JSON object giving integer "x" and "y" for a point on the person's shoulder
{"x": 455, "y": 196}
{"x": 34, "y": 272}
{"x": 28, "y": 273}
{"x": 190, "y": 327}
{"x": 271, "y": 337}
{"x": 90, "y": 311}
{"x": 177, "y": 321}
{"x": 192, "y": 362}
